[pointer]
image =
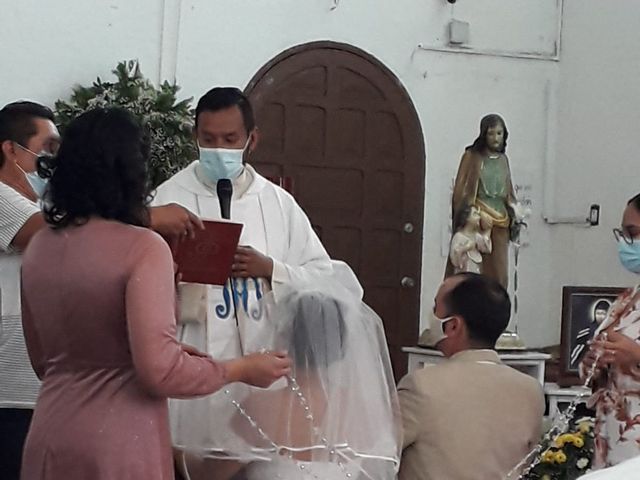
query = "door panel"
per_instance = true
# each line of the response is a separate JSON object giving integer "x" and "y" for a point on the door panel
{"x": 342, "y": 127}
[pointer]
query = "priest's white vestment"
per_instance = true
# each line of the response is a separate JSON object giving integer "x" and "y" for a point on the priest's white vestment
{"x": 275, "y": 225}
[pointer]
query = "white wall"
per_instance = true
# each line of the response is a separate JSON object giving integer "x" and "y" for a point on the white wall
{"x": 597, "y": 137}
{"x": 577, "y": 113}
{"x": 46, "y": 47}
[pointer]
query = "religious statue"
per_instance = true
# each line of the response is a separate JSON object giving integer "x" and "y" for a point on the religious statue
{"x": 484, "y": 181}
{"x": 471, "y": 240}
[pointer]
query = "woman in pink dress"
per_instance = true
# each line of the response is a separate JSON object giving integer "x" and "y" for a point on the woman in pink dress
{"x": 98, "y": 299}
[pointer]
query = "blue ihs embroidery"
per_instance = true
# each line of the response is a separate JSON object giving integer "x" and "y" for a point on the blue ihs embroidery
{"x": 240, "y": 293}
{"x": 224, "y": 310}
{"x": 256, "y": 313}
{"x": 239, "y": 289}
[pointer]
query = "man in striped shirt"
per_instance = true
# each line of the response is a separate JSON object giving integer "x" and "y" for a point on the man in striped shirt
{"x": 26, "y": 131}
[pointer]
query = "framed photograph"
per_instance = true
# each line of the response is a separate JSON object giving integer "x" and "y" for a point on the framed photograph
{"x": 583, "y": 309}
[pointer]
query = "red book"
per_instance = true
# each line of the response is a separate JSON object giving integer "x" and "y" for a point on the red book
{"x": 208, "y": 257}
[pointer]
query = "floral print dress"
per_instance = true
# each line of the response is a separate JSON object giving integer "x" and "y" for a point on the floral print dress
{"x": 616, "y": 392}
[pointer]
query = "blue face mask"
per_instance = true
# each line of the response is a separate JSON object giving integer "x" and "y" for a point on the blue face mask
{"x": 220, "y": 163}
{"x": 38, "y": 183}
{"x": 630, "y": 255}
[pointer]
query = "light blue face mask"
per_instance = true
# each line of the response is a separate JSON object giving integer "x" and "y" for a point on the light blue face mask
{"x": 220, "y": 163}
{"x": 38, "y": 184}
{"x": 629, "y": 255}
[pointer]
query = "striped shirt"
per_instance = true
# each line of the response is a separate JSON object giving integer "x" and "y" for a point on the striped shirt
{"x": 18, "y": 383}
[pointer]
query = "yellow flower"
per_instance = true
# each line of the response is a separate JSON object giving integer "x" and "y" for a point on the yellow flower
{"x": 578, "y": 441}
{"x": 562, "y": 439}
{"x": 548, "y": 457}
{"x": 545, "y": 477}
{"x": 560, "y": 457}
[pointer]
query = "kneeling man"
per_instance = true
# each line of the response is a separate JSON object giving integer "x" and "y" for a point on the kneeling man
{"x": 469, "y": 417}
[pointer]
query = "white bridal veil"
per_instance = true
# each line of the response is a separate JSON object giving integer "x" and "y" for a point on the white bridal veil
{"x": 336, "y": 416}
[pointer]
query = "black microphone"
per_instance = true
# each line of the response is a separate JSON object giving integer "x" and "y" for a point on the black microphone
{"x": 225, "y": 190}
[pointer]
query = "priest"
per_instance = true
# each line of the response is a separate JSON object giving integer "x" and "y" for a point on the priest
{"x": 278, "y": 248}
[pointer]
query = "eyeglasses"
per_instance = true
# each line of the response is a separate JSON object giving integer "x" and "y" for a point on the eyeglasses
{"x": 627, "y": 236}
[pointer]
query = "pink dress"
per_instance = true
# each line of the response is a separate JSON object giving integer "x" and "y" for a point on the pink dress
{"x": 99, "y": 321}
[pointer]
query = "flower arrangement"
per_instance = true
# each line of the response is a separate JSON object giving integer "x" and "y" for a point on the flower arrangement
{"x": 169, "y": 122}
{"x": 567, "y": 457}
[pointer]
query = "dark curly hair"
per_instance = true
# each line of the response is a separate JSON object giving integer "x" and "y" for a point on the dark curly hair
{"x": 100, "y": 170}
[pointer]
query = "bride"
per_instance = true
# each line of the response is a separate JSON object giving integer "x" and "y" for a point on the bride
{"x": 336, "y": 417}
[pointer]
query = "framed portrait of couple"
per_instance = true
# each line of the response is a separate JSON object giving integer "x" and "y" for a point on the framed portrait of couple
{"x": 583, "y": 310}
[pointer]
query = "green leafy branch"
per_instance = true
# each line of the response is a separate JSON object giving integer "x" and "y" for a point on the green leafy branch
{"x": 169, "y": 121}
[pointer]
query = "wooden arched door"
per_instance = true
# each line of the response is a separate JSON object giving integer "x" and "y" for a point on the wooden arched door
{"x": 341, "y": 125}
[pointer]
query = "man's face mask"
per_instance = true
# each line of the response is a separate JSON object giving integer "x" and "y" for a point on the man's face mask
{"x": 436, "y": 329}
{"x": 220, "y": 163}
{"x": 38, "y": 184}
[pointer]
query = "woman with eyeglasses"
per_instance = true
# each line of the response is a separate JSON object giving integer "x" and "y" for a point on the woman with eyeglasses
{"x": 616, "y": 348}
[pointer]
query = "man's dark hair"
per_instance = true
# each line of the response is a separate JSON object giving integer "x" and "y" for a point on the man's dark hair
{"x": 221, "y": 98}
{"x": 488, "y": 121}
{"x": 483, "y": 304}
{"x": 100, "y": 170}
{"x": 16, "y": 122}
{"x": 635, "y": 201}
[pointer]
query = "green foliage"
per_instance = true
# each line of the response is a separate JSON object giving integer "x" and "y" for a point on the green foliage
{"x": 168, "y": 121}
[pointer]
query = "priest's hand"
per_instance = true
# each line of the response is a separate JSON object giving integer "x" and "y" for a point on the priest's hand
{"x": 174, "y": 221}
{"x": 248, "y": 262}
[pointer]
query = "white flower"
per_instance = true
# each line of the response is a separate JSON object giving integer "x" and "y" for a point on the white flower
{"x": 584, "y": 419}
{"x": 167, "y": 119}
{"x": 520, "y": 211}
{"x": 582, "y": 463}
